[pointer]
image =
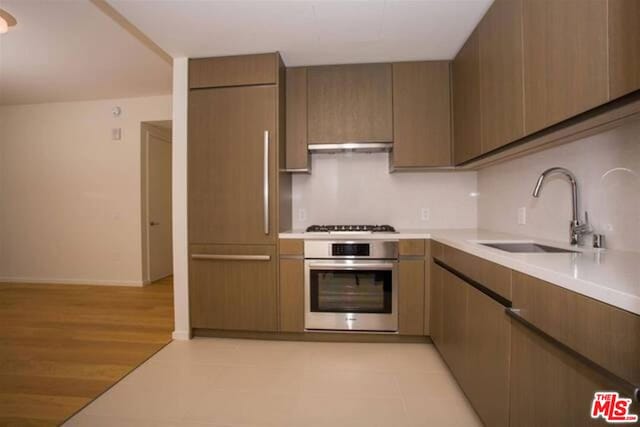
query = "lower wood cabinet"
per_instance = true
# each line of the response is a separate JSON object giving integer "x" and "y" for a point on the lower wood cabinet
{"x": 291, "y": 295}
{"x": 550, "y": 386}
{"x": 453, "y": 345}
{"x": 233, "y": 287}
{"x": 411, "y": 296}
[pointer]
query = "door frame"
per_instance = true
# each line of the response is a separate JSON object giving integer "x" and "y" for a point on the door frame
{"x": 162, "y": 130}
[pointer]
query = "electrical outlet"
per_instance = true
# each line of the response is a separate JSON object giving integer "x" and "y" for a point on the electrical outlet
{"x": 425, "y": 214}
{"x": 522, "y": 216}
{"x": 302, "y": 214}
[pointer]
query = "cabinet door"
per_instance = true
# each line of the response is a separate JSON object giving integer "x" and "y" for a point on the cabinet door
{"x": 291, "y": 295}
{"x": 501, "y": 91}
{"x": 234, "y": 70}
{"x": 624, "y": 47}
{"x": 488, "y": 352}
{"x": 466, "y": 101}
{"x": 549, "y": 386}
{"x": 565, "y": 59}
{"x": 297, "y": 154}
{"x": 436, "y": 305}
{"x": 349, "y": 103}
{"x": 227, "y": 165}
{"x": 233, "y": 287}
{"x": 454, "y": 326}
{"x": 411, "y": 296}
{"x": 421, "y": 114}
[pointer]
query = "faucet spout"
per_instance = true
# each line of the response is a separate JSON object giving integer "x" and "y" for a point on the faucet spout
{"x": 577, "y": 229}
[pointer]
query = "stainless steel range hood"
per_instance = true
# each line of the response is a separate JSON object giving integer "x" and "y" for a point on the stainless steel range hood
{"x": 358, "y": 147}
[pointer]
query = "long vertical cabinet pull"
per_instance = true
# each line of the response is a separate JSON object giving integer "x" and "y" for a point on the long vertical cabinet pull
{"x": 266, "y": 182}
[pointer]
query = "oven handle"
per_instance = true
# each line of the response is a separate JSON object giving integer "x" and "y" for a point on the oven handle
{"x": 358, "y": 266}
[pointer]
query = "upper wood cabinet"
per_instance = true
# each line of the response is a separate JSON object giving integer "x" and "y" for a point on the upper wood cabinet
{"x": 421, "y": 114}
{"x": 466, "y": 101}
{"x": 227, "y": 165}
{"x": 234, "y": 70}
{"x": 501, "y": 91}
{"x": 349, "y": 103}
{"x": 297, "y": 154}
{"x": 624, "y": 47}
{"x": 565, "y": 59}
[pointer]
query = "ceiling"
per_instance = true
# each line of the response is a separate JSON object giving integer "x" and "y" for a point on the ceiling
{"x": 308, "y": 32}
{"x": 70, "y": 50}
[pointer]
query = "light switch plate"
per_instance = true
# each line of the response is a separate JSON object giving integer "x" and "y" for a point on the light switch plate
{"x": 116, "y": 134}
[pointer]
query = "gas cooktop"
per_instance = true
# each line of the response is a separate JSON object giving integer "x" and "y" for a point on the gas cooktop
{"x": 350, "y": 229}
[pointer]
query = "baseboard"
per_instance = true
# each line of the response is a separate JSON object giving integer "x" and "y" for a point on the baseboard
{"x": 181, "y": 335}
{"x": 92, "y": 282}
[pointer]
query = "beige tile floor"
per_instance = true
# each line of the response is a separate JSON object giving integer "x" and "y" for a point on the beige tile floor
{"x": 226, "y": 382}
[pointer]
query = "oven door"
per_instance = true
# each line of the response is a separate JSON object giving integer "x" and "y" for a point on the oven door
{"x": 354, "y": 295}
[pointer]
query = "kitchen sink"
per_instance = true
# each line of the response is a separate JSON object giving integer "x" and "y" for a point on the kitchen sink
{"x": 527, "y": 247}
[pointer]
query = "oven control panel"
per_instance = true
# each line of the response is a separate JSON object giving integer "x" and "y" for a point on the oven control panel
{"x": 350, "y": 249}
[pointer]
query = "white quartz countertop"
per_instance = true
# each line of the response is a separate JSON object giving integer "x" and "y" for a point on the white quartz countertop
{"x": 610, "y": 276}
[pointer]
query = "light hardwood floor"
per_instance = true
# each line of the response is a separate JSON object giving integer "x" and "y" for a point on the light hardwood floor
{"x": 61, "y": 346}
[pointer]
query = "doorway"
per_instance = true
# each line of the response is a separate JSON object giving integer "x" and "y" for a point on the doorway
{"x": 157, "y": 249}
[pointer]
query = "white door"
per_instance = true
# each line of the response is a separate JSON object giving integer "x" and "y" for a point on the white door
{"x": 159, "y": 239}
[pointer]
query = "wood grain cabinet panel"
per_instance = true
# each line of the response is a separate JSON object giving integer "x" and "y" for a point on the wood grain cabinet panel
{"x": 453, "y": 345}
{"x": 291, "y": 295}
{"x": 421, "y": 114}
{"x": 233, "y": 294}
{"x": 436, "y": 304}
{"x": 226, "y": 165}
{"x": 349, "y": 103}
{"x": 624, "y": 47}
{"x": 604, "y": 334}
{"x": 549, "y": 386}
{"x": 488, "y": 340}
{"x": 411, "y": 247}
{"x": 297, "y": 154}
{"x": 411, "y": 296}
{"x": 565, "y": 59}
{"x": 466, "y": 101}
{"x": 234, "y": 70}
{"x": 291, "y": 247}
{"x": 501, "y": 63}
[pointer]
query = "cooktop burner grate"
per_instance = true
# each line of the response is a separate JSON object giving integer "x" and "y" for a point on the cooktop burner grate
{"x": 350, "y": 229}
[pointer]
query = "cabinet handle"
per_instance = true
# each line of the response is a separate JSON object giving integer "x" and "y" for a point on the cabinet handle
{"x": 266, "y": 182}
{"x": 231, "y": 257}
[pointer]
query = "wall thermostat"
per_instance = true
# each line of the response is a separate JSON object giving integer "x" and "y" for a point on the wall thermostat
{"x": 116, "y": 111}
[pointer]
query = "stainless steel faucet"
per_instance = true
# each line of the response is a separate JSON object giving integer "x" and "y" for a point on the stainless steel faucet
{"x": 577, "y": 228}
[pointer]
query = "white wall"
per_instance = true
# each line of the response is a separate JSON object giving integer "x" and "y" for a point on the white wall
{"x": 607, "y": 167}
{"x": 357, "y": 188}
{"x": 179, "y": 199}
{"x": 70, "y": 196}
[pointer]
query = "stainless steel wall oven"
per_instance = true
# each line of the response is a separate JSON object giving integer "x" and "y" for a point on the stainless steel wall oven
{"x": 351, "y": 285}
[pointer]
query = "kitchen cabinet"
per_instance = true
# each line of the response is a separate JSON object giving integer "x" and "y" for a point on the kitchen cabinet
{"x": 473, "y": 334}
{"x": 227, "y": 165}
{"x": 349, "y": 103}
{"x": 624, "y": 47}
{"x": 291, "y": 287}
{"x": 565, "y": 59}
{"x": 501, "y": 91}
{"x": 551, "y": 386}
{"x": 242, "y": 70}
{"x": 488, "y": 346}
{"x": 233, "y": 287}
{"x": 297, "y": 154}
{"x": 421, "y": 115}
{"x": 411, "y": 290}
{"x": 466, "y": 101}
{"x": 435, "y": 302}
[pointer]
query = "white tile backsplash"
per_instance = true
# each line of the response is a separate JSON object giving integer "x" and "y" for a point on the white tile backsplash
{"x": 607, "y": 167}
{"x": 357, "y": 188}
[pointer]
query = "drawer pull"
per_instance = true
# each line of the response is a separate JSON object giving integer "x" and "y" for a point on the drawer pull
{"x": 231, "y": 257}
{"x": 632, "y": 389}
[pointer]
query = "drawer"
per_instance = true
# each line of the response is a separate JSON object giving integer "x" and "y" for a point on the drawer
{"x": 233, "y": 71}
{"x": 606, "y": 335}
{"x": 490, "y": 275}
{"x": 411, "y": 247}
{"x": 291, "y": 247}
